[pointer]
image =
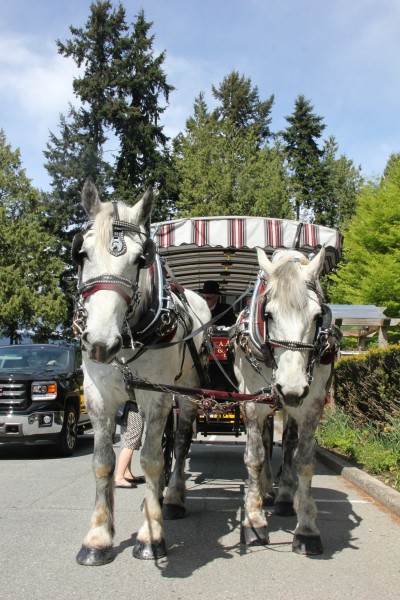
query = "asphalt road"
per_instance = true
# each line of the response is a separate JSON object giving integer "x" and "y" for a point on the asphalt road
{"x": 46, "y": 503}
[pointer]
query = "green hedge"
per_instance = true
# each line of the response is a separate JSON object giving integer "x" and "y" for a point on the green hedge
{"x": 367, "y": 386}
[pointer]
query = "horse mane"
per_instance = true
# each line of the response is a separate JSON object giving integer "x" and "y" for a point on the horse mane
{"x": 103, "y": 228}
{"x": 287, "y": 286}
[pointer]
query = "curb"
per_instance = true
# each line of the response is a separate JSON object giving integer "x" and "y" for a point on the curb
{"x": 387, "y": 496}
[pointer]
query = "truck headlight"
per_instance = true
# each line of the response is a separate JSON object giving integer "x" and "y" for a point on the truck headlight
{"x": 44, "y": 390}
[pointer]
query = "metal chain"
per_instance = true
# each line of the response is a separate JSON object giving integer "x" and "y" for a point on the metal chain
{"x": 206, "y": 403}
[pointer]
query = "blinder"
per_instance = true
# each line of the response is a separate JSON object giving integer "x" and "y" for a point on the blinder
{"x": 326, "y": 316}
{"x": 268, "y": 355}
{"x": 77, "y": 257}
{"x": 148, "y": 255}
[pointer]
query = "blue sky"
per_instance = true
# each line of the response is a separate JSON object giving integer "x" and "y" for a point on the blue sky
{"x": 343, "y": 55}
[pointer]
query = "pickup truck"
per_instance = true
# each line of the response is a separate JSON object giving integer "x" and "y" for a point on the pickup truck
{"x": 41, "y": 395}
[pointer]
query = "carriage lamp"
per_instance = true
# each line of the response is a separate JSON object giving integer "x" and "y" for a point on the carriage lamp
{"x": 44, "y": 390}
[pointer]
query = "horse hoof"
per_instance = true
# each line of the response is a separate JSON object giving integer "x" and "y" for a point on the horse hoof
{"x": 284, "y": 509}
{"x": 255, "y": 536}
{"x": 269, "y": 499}
{"x": 307, "y": 545}
{"x": 146, "y": 551}
{"x": 94, "y": 557}
{"x": 171, "y": 512}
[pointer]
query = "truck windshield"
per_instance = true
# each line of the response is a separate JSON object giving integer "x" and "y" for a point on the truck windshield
{"x": 17, "y": 358}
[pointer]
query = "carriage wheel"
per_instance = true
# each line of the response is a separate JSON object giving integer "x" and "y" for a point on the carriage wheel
{"x": 168, "y": 446}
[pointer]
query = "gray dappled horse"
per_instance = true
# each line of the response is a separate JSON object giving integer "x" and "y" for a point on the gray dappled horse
{"x": 293, "y": 358}
{"x": 125, "y": 306}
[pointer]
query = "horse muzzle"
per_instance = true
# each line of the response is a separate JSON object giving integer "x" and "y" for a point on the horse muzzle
{"x": 290, "y": 398}
{"x": 101, "y": 352}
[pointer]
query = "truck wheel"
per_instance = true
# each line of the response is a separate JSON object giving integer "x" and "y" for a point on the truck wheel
{"x": 69, "y": 433}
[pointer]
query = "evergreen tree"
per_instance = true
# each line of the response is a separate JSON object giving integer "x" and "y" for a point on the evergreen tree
{"x": 240, "y": 104}
{"x": 120, "y": 89}
{"x": 30, "y": 297}
{"x": 119, "y": 86}
{"x": 370, "y": 273}
{"x": 304, "y": 156}
{"x": 223, "y": 161}
{"x": 143, "y": 145}
{"x": 342, "y": 182}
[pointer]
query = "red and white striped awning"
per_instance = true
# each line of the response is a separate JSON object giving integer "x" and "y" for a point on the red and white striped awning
{"x": 223, "y": 248}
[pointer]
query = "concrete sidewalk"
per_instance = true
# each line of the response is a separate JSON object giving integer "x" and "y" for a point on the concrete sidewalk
{"x": 375, "y": 488}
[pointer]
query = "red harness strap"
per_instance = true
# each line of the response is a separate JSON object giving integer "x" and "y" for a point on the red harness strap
{"x": 107, "y": 286}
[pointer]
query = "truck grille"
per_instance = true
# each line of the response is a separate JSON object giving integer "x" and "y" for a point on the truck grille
{"x": 13, "y": 394}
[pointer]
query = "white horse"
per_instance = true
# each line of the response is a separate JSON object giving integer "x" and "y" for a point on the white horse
{"x": 296, "y": 342}
{"x": 125, "y": 306}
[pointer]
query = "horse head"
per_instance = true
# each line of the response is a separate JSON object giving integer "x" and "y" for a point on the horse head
{"x": 292, "y": 309}
{"x": 113, "y": 255}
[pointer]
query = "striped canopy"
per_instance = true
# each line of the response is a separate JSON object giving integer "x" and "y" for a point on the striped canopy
{"x": 223, "y": 248}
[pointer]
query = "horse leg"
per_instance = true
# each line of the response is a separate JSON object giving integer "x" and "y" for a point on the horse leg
{"x": 254, "y": 526}
{"x": 175, "y": 496}
{"x": 307, "y": 539}
{"x": 150, "y": 542}
{"x": 97, "y": 546}
{"x": 284, "y": 501}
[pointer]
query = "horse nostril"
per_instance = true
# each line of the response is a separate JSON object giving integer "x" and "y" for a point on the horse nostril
{"x": 85, "y": 337}
{"x": 305, "y": 392}
{"x": 116, "y": 347}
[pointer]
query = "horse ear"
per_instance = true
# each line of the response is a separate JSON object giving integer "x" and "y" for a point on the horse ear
{"x": 90, "y": 198}
{"x": 264, "y": 261}
{"x": 315, "y": 266}
{"x": 145, "y": 206}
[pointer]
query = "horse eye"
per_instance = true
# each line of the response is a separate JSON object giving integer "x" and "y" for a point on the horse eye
{"x": 268, "y": 316}
{"x": 318, "y": 316}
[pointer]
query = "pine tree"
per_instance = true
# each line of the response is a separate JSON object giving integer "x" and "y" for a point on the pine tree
{"x": 120, "y": 85}
{"x": 120, "y": 89}
{"x": 223, "y": 160}
{"x": 342, "y": 182}
{"x": 240, "y": 104}
{"x": 304, "y": 156}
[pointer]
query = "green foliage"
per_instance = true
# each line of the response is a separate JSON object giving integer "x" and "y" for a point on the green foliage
{"x": 378, "y": 450}
{"x": 341, "y": 183}
{"x": 240, "y": 105}
{"x": 223, "y": 164}
{"x": 29, "y": 265}
{"x": 303, "y": 154}
{"x": 120, "y": 88}
{"x": 367, "y": 386}
{"x": 370, "y": 273}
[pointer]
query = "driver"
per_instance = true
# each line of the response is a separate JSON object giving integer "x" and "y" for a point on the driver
{"x": 212, "y": 295}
